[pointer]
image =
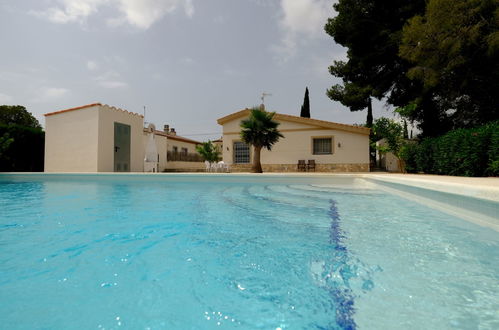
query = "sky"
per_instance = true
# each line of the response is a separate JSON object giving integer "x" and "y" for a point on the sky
{"x": 188, "y": 62}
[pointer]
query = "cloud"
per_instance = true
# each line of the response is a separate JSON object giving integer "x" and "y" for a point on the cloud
{"x": 300, "y": 21}
{"x": 4, "y": 98}
{"x": 111, "y": 79}
{"x": 72, "y": 11}
{"x": 189, "y": 8}
{"x": 187, "y": 61}
{"x": 47, "y": 94}
{"x": 92, "y": 65}
{"x": 113, "y": 84}
{"x": 139, "y": 13}
{"x": 305, "y": 16}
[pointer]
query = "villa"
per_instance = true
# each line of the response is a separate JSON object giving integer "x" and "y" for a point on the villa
{"x": 333, "y": 147}
{"x": 101, "y": 138}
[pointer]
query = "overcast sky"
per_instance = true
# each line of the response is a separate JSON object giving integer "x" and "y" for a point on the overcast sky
{"x": 189, "y": 62}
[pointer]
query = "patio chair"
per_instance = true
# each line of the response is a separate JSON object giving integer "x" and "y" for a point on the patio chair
{"x": 301, "y": 165}
{"x": 311, "y": 164}
{"x": 207, "y": 165}
{"x": 223, "y": 166}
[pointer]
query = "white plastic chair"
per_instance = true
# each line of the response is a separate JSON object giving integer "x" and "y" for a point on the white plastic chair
{"x": 207, "y": 165}
{"x": 214, "y": 167}
{"x": 223, "y": 166}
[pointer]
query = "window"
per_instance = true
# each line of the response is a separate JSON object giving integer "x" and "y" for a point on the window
{"x": 241, "y": 153}
{"x": 323, "y": 146}
{"x": 175, "y": 149}
{"x": 184, "y": 151}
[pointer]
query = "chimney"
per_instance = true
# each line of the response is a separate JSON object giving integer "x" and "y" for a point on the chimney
{"x": 172, "y": 131}
{"x": 166, "y": 128}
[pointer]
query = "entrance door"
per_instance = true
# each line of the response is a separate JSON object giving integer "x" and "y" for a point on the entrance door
{"x": 121, "y": 147}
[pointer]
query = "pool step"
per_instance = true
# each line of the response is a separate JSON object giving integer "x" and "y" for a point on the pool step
{"x": 260, "y": 203}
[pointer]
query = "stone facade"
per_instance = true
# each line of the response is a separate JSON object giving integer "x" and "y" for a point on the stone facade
{"x": 294, "y": 168}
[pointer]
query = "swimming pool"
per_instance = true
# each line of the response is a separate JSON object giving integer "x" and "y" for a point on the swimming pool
{"x": 201, "y": 252}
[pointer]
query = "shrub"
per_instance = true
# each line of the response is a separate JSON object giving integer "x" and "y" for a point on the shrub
{"x": 408, "y": 155}
{"x": 464, "y": 152}
{"x": 26, "y": 152}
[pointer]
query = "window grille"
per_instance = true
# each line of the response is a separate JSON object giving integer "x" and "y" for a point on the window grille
{"x": 241, "y": 153}
{"x": 323, "y": 146}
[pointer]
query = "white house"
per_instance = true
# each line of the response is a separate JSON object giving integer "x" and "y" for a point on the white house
{"x": 101, "y": 138}
{"x": 332, "y": 146}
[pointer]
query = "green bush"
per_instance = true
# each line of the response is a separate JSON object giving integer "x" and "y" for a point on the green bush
{"x": 463, "y": 152}
{"x": 408, "y": 154}
{"x": 493, "y": 152}
{"x": 26, "y": 152}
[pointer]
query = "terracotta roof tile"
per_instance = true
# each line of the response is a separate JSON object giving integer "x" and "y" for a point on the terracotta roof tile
{"x": 302, "y": 120}
{"x": 176, "y": 137}
{"x": 71, "y": 109}
{"x": 89, "y": 106}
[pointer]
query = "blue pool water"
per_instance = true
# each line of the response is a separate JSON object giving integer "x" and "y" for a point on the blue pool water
{"x": 191, "y": 252}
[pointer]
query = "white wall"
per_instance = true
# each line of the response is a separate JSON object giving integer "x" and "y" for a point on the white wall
{"x": 161, "y": 145}
{"x": 107, "y": 117}
{"x": 71, "y": 140}
{"x": 191, "y": 147}
{"x": 348, "y": 147}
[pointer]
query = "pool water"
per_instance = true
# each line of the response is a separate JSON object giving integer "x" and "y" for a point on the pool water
{"x": 111, "y": 253}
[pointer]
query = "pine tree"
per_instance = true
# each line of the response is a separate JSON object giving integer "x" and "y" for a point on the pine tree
{"x": 305, "y": 108}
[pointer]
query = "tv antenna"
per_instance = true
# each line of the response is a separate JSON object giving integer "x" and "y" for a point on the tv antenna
{"x": 262, "y": 106}
{"x": 264, "y": 95}
{"x": 145, "y": 122}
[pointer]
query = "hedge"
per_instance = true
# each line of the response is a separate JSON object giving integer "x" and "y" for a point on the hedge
{"x": 463, "y": 152}
{"x": 26, "y": 152}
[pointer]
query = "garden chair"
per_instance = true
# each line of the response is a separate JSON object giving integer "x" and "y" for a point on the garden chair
{"x": 301, "y": 165}
{"x": 311, "y": 164}
{"x": 223, "y": 167}
{"x": 207, "y": 165}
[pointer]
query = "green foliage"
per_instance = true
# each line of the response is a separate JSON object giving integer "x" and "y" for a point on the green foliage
{"x": 408, "y": 110}
{"x": 371, "y": 30}
{"x": 437, "y": 60}
{"x": 208, "y": 151}
{"x": 260, "y": 130}
{"x": 18, "y": 115}
{"x": 408, "y": 155}
{"x": 305, "y": 108}
{"x": 25, "y": 152}
{"x": 385, "y": 128}
{"x": 5, "y": 142}
{"x": 463, "y": 152}
{"x": 454, "y": 51}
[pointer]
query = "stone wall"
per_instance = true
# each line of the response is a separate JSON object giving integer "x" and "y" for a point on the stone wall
{"x": 294, "y": 168}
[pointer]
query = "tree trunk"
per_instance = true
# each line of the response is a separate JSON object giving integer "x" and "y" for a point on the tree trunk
{"x": 401, "y": 164}
{"x": 369, "y": 119}
{"x": 257, "y": 166}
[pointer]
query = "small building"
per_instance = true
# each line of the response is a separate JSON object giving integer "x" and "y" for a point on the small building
{"x": 180, "y": 152}
{"x": 101, "y": 138}
{"x": 332, "y": 146}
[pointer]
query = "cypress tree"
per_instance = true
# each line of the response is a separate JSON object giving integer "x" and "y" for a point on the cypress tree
{"x": 305, "y": 108}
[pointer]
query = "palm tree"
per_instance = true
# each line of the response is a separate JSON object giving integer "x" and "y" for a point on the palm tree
{"x": 260, "y": 131}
